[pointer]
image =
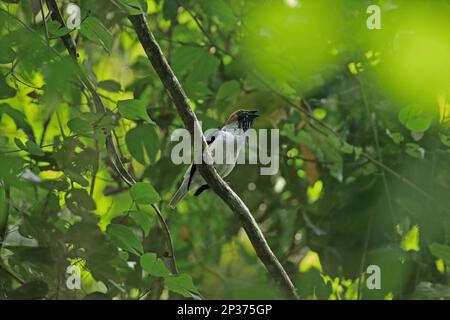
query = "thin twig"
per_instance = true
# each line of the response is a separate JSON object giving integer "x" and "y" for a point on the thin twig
{"x": 45, "y": 23}
{"x": 364, "y": 256}
{"x": 3, "y": 230}
{"x": 377, "y": 143}
{"x": 5, "y": 214}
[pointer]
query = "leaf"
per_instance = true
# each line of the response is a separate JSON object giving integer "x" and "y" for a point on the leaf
{"x": 441, "y": 251}
{"x": 445, "y": 139}
{"x": 125, "y": 238}
{"x": 203, "y": 70}
{"x": 346, "y": 148}
{"x": 395, "y": 136}
{"x": 228, "y": 92}
{"x": 153, "y": 265}
{"x": 416, "y": 118}
{"x": 170, "y": 9}
{"x": 185, "y": 57}
{"x": 319, "y": 113}
{"x": 142, "y": 219}
{"x": 109, "y": 85}
{"x": 415, "y": 151}
{"x": 5, "y": 90}
{"x": 181, "y": 284}
{"x": 19, "y": 118}
{"x": 34, "y": 290}
{"x": 133, "y": 7}
{"x": 144, "y": 193}
{"x": 134, "y": 109}
{"x": 79, "y": 126}
{"x": 81, "y": 198}
{"x": 220, "y": 9}
{"x": 29, "y": 146}
{"x": 94, "y": 30}
{"x": 7, "y": 55}
{"x": 410, "y": 241}
{"x": 33, "y": 148}
{"x": 56, "y": 29}
{"x": 143, "y": 140}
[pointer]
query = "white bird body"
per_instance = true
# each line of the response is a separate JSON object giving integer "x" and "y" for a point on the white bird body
{"x": 228, "y": 141}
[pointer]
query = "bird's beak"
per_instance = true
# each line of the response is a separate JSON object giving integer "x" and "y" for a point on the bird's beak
{"x": 252, "y": 114}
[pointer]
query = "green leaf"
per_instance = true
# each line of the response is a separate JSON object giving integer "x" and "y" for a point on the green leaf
{"x": 109, "y": 85}
{"x": 185, "y": 57}
{"x": 134, "y": 109}
{"x": 319, "y": 113}
{"x": 79, "y": 126}
{"x": 415, "y": 151}
{"x": 81, "y": 198}
{"x": 144, "y": 193}
{"x": 125, "y": 238}
{"x": 33, "y": 148}
{"x": 416, "y": 118}
{"x": 228, "y": 92}
{"x": 142, "y": 219}
{"x": 441, "y": 251}
{"x": 170, "y": 9}
{"x": 94, "y": 30}
{"x": 29, "y": 146}
{"x": 208, "y": 66}
{"x": 19, "y": 118}
{"x": 34, "y": 290}
{"x": 181, "y": 284}
{"x": 56, "y": 29}
{"x": 4, "y": 211}
{"x": 221, "y": 9}
{"x": 395, "y": 136}
{"x": 153, "y": 265}
{"x": 143, "y": 140}
{"x": 133, "y": 7}
{"x": 410, "y": 241}
{"x": 346, "y": 148}
{"x": 445, "y": 139}
{"x": 7, "y": 55}
{"x": 5, "y": 90}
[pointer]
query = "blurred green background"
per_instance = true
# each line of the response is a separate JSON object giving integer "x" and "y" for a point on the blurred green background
{"x": 364, "y": 128}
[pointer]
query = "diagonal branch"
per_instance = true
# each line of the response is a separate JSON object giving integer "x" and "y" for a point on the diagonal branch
{"x": 172, "y": 85}
{"x": 110, "y": 146}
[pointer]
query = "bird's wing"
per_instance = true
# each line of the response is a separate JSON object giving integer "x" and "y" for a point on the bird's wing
{"x": 209, "y": 139}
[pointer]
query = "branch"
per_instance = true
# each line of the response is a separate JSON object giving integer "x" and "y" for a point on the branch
{"x": 3, "y": 228}
{"x": 179, "y": 98}
{"x": 5, "y": 214}
{"x": 110, "y": 146}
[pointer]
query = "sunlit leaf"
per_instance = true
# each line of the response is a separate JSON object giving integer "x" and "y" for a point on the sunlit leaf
{"x": 144, "y": 193}
{"x": 415, "y": 117}
{"x": 153, "y": 265}
{"x": 134, "y": 109}
{"x": 141, "y": 141}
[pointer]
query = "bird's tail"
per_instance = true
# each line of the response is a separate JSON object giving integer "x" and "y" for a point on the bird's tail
{"x": 179, "y": 195}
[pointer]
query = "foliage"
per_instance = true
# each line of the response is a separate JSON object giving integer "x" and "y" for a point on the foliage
{"x": 364, "y": 160}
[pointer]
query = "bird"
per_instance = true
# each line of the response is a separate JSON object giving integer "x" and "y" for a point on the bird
{"x": 232, "y": 137}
